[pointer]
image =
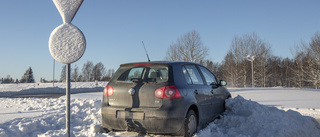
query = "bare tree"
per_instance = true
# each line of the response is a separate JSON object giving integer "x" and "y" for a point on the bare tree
{"x": 229, "y": 70}
{"x": 287, "y": 72}
{"x": 313, "y": 56}
{"x": 262, "y": 51}
{"x": 87, "y": 71}
{"x": 214, "y": 67}
{"x": 274, "y": 64}
{"x": 298, "y": 67}
{"x": 75, "y": 74}
{"x": 241, "y": 47}
{"x": 98, "y": 71}
{"x": 8, "y": 79}
{"x": 110, "y": 73}
{"x": 187, "y": 48}
{"x": 238, "y": 51}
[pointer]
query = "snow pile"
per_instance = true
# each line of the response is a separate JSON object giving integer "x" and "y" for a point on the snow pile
{"x": 304, "y": 101}
{"x": 244, "y": 118}
{"x": 85, "y": 117}
{"x": 312, "y": 112}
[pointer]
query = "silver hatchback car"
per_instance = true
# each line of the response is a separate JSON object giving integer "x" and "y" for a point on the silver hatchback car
{"x": 173, "y": 98}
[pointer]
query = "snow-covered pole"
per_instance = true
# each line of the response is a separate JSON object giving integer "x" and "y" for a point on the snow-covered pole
{"x": 53, "y": 73}
{"x": 68, "y": 100}
{"x": 67, "y": 43}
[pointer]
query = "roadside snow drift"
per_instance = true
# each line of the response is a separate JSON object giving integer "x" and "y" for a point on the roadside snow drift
{"x": 244, "y": 118}
{"x": 85, "y": 115}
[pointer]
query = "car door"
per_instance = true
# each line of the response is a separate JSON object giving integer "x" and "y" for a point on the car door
{"x": 198, "y": 88}
{"x": 217, "y": 92}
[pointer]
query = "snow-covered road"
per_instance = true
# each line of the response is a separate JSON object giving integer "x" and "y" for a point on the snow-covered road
{"x": 43, "y": 117}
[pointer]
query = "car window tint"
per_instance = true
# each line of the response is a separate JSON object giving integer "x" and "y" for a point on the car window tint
{"x": 150, "y": 73}
{"x": 186, "y": 75}
{"x": 208, "y": 76}
{"x": 194, "y": 74}
{"x": 135, "y": 73}
{"x": 158, "y": 74}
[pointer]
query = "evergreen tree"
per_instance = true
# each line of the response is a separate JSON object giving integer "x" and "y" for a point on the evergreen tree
{"x": 28, "y": 76}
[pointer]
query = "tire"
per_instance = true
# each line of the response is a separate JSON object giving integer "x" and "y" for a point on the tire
{"x": 190, "y": 124}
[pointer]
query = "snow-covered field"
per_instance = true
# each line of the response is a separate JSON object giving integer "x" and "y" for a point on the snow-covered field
{"x": 255, "y": 112}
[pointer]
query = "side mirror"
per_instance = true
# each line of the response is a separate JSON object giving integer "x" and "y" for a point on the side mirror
{"x": 223, "y": 83}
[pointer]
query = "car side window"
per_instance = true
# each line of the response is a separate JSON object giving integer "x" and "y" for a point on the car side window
{"x": 193, "y": 74}
{"x": 186, "y": 75}
{"x": 208, "y": 76}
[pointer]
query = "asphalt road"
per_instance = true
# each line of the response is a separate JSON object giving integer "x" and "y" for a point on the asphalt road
{"x": 39, "y": 96}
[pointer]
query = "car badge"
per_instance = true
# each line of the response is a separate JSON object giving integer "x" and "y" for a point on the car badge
{"x": 132, "y": 91}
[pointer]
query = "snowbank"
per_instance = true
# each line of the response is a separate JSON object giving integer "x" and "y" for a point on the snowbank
{"x": 85, "y": 117}
{"x": 43, "y": 117}
{"x": 244, "y": 118}
{"x": 304, "y": 101}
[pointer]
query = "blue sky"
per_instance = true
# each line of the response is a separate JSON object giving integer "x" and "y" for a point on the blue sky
{"x": 114, "y": 29}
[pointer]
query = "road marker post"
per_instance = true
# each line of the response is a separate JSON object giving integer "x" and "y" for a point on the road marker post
{"x": 67, "y": 43}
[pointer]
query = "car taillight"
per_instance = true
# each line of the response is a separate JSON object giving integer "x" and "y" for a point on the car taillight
{"x": 167, "y": 92}
{"x": 108, "y": 91}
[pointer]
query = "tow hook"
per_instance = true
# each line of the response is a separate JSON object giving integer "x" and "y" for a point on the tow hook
{"x": 129, "y": 125}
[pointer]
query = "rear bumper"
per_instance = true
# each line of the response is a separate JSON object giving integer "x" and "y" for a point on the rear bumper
{"x": 143, "y": 120}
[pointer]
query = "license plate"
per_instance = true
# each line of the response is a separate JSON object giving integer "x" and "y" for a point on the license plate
{"x": 130, "y": 115}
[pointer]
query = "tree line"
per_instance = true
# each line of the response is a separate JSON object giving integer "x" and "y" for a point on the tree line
{"x": 89, "y": 72}
{"x": 27, "y": 77}
{"x": 303, "y": 70}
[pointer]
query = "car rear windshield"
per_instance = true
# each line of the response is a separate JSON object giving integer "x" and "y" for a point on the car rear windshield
{"x": 141, "y": 73}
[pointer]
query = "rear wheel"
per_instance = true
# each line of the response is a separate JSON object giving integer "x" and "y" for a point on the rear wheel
{"x": 191, "y": 123}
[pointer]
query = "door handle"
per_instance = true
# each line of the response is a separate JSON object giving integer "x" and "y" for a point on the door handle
{"x": 196, "y": 92}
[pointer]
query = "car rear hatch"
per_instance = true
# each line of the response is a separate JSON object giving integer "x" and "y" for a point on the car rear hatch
{"x": 134, "y": 85}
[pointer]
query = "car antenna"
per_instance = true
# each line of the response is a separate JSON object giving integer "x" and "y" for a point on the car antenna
{"x": 146, "y": 51}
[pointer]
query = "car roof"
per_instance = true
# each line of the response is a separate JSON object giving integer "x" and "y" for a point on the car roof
{"x": 159, "y": 62}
